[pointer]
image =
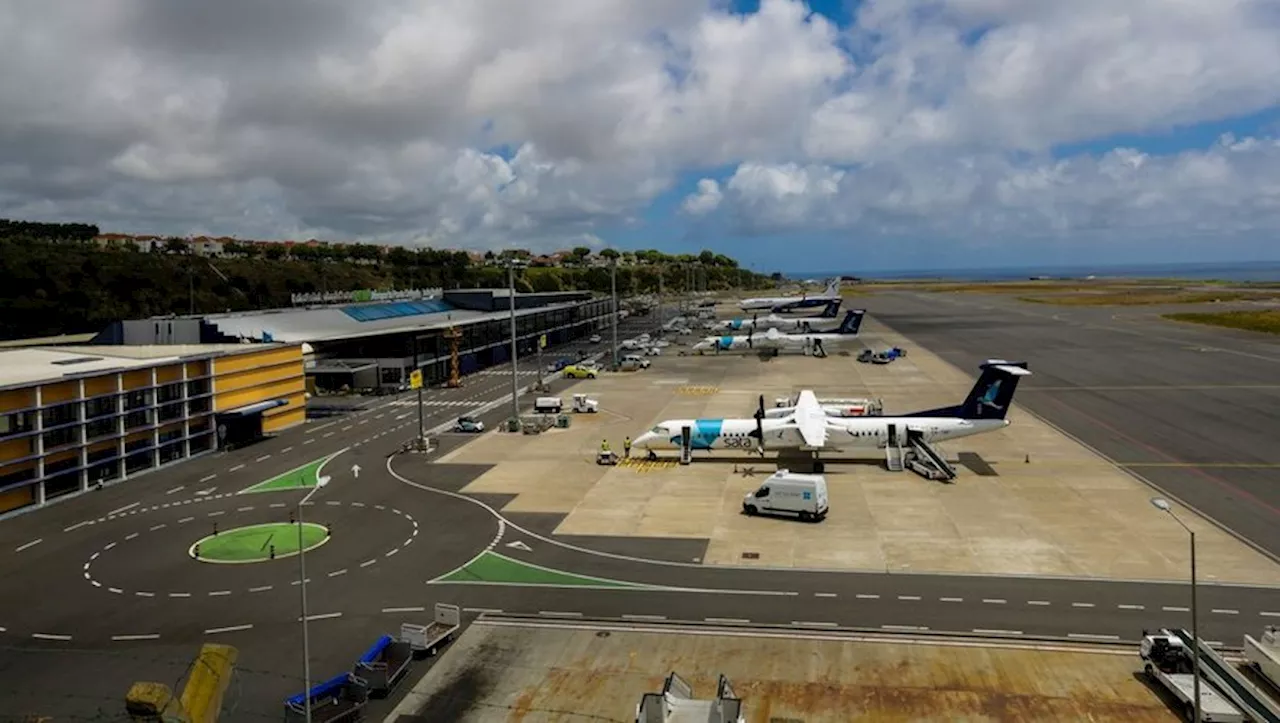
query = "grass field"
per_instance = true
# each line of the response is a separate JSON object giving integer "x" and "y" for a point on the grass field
{"x": 298, "y": 478}
{"x": 1266, "y": 320}
{"x": 1148, "y": 297}
{"x": 492, "y": 567}
{"x": 254, "y": 543}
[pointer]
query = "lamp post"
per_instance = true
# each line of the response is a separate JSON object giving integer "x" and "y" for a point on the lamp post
{"x": 511, "y": 290}
{"x": 302, "y": 585}
{"x": 418, "y": 369}
{"x": 1163, "y": 505}
{"x": 613, "y": 288}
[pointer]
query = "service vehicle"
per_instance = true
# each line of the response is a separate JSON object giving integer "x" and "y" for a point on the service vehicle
{"x": 547, "y": 405}
{"x": 1168, "y": 661}
{"x": 1264, "y": 654}
{"x": 787, "y": 493}
{"x": 644, "y": 363}
{"x": 579, "y": 371}
{"x": 582, "y": 404}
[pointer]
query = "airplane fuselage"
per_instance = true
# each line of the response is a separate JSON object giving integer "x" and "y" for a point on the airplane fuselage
{"x": 784, "y": 342}
{"x": 783, "y": 304}
{"x": 817, "y": 325}
{"x": 842, "y": 433}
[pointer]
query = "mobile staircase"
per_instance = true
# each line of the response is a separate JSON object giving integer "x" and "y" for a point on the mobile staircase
{"x": 676, "y": 704}
{"x": 925, "y": 460}
{"x": 1234, "y": 685}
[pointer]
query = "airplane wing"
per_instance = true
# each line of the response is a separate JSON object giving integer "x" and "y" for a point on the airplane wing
{"x": 811, "y": 420}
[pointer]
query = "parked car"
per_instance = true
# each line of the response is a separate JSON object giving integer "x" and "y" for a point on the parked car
{"x": 594, "y": 338}
{"x": 468, "y": 424}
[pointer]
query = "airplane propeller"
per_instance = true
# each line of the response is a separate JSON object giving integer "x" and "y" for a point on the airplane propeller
{"x": 759, "y": 433}
{"x": 750, "y": 333}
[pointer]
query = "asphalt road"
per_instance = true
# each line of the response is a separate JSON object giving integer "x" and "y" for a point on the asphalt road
{"x": 1189, "y": 409}
{"x": 101, "y": 590}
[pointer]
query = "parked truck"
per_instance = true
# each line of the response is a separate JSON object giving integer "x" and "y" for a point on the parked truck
{"x": 547, "y": 405}
{"x": 424, "y": 640}
{"x": 1264, "y": 654}
{"x": 1169, "y": 662}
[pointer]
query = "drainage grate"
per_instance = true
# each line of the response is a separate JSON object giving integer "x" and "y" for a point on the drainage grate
{"x": 751, "y": 556}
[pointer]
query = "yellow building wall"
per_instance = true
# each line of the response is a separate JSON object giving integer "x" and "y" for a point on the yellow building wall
{"x": 95, "y": 386}
{"x": 168, "y": 374}
{"x": 197, "y": 369}
{"x": 60, "y": 392}
{"x": 12, "y": 449}
{"x": 16, "y": 399}
{"x": 251, "y": 360}
{"x": 137, "y": 379}
{"x": 295, "y": 412}
{"x": 17, "y": 497}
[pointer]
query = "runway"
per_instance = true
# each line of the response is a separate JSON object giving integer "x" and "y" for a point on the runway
{"x": 1187, "y": 408}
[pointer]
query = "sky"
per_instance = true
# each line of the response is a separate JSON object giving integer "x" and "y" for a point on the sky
{"x": 833, "y": 134}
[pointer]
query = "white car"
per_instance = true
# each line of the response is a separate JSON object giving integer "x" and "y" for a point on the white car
{"x": 594, "y": 338}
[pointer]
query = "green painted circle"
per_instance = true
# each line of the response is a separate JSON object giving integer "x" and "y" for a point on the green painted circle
{"x": 253, "y": 543}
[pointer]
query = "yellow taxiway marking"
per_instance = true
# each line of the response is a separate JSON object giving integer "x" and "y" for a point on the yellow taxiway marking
{"x": 697, "y": 391}
{"x": 641, "y": 465}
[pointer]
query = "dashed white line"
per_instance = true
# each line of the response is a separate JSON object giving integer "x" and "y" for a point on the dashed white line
{"x": 29, "y": 545}
{"x": 1091, "y": 636}
{"x": 237, "y": 468}
{"x": 1225, "y": 611}
{"x": 326, "y": 435}
{"x": 336, "y": 573}
{"x": 1267, "y": 614}
{"x": 416, "y": 609}
{"x": 813, "y": 624}
{"x": 160, "y": 526}
{"x": 261, "y": 588}
{"x": 277, "y": 504}
{"x": 147, "y": 636}
{"x": 402, "y": 416}
{"x": 115, "y": 590}
{"x": 331, "y": 502}
{"x": 357, "y": 504}
{"x": 952, "y": 599}
{"x": 644, "y": 617}
{"x": 379, "y": 416}
{"x": 1081, "y": 605}
{"x": 179, "y": 594}
{"x": 346, "y": 428}
{"x": 1038, "y": 602}
{"x": 495, "y": 611}
{"x": 94, "y": 556}
{"x": 1175, "y": 609}
{"x": 77, "y": 526}
{"x": 228, "y": 629}
{"x": 309, "y": 441}
{"x": 218, "y": 512}
{"x": 558, "y": 614}
{"x": 908, "y": 597}
{"x": 208, "y": 477}
{"x": 322, "y": 616}
{"x": 379, "y": 507}
{"x": 219, "y": 593}
{"x": 367, "y": 563}
{"x": 179, "y": 488}
{"x": 122, "y": 509}
{"x": 731, "y": 621}
{"x": 143, "y": 593}
{"x": 996, "y": 631}
{"x": 286, "y": 450}
{"x": 363, "y": 421}
{"x": 410, "y": 541}
{"x": 245, "y": 509}
{"x": 994, "y": 601}
{"x": 94, "y": 582}
{"x": 1132, "y": 607}
{"x": 263, "y": 458}
{"x": 50, "y": 636}
{"x": 185, "y": 519}
{"x": 108, "y": 546}
{"x": 131, "y": 536}
{"x": 866, "y": 596}
{"x": 389, "y": 554}
{"x": 904, "y": 627}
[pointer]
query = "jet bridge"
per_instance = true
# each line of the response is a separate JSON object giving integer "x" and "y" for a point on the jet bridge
{"x": 676, "y": 704}
{"x": 1237, "y": 688}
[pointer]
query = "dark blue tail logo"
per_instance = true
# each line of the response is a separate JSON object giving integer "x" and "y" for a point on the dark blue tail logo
{"x": 831, "y": 310}
{"x": 852, "y": 322}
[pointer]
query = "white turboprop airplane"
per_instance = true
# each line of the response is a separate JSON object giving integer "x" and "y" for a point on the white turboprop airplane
{"x": 791, "y": 303}
{"x": 810, "y": 428}
{"x": 777, "y": 341}
{"x": 824, "y": 322}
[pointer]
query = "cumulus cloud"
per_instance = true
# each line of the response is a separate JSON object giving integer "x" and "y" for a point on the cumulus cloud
{"x": 481, "y": 123}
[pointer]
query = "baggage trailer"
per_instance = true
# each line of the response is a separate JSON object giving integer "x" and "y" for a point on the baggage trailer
{"x": 338, "y": 700}
{"x": 1168, "y": 661}
{"x": 424, "y": 640}
{"x": 1264, "y": 654}
{"x": 384, "y": 664}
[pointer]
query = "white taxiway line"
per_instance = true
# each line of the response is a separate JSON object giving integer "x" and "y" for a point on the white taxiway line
{"x": 1081, "y": 605}
{"x": 122, "y": 509}
{"x": 185, "y": 519}
{"x": 1089, "y": 636}
{"x": 908, "y": 597}
{"x": 160, "y": 526}
{"x": 236, "y": 468}
{"x": 994, "y": 601}
{"x": 731, "y": 621}
{"x": 76, "y": 526}
{"x": 322, "y": 616}
{"x": 148, "y": 636}
{"x": 557, "y": 614}
{"x": 952, "y": 599}
{"x": 1222, "y": 611}
{"x": 1267, "y": 614}
{"x": 208, "y": 477}
{"x": 131, "y": 535}
{"x": 802, "y": 623}
{"x": 1037, "y": 602}
{"x": 904, "y": 627}
{"x": 50, "y": 636}
{"x": 996, "y": 631}
{"x": 824, "y": 594}
{"x": 263, "y": 458}
{"x": 404, "y": 610}
{"x": 262, "y": 588}
{"x": 228, "y": 629}
{"x": 1131, "y": 607}
{"x": 495, "y": 611}
{"x": 29, "y": 545}
{"x": 867, "y": 596}
{"x": 179, "y": 488}
{"x": 644, "y": 617}
{"x": 1175, "y": 609}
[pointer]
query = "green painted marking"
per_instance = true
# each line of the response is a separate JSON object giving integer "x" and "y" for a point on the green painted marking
{"x": 303, "y": 477}
{"x": 251, "y": 543}
{"x": 495, "y": 568}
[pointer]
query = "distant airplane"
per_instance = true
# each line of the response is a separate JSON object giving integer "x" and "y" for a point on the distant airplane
{"x": 774, "y": 340}
{"x": 820, "y": 323}
{"x": 791, "y": 303}
{"x": 810, "y": 428}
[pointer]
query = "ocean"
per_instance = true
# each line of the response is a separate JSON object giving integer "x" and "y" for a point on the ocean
{"x": 1232, "y": 271}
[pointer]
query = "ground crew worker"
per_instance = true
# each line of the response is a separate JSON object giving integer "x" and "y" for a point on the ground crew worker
{"x": 626, "y": 447}
{"x": 604, "y": 445}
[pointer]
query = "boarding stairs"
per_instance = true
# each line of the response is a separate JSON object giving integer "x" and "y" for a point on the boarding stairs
{"x": 894, "y": 456}
{"x": 926, "y": 460}
{"x": 1238, "y": 689}
{"x": 676, "y": 704}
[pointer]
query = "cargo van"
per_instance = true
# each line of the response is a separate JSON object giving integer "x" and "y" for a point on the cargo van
{"x": 784, "y": 493}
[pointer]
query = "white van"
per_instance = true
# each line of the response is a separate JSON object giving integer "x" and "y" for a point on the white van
{"x": 802, "y": 495}
{"x": 639, "y": 360}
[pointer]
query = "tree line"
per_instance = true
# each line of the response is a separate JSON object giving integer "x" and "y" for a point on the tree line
{"x": 55, "y": 287}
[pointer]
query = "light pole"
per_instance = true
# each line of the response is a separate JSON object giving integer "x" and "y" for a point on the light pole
{"x": 418, "y": 370}
{"x": 302, "y": 585}
{"x": 1163, "y": 505}
{"x": 613, "y": 287}
{"x": 511, "y": 290}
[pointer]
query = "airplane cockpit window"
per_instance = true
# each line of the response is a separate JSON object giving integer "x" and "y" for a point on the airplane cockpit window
{"x": 658, "y": 430}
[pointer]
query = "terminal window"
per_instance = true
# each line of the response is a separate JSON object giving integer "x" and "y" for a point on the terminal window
{"x": 16, "y": 423}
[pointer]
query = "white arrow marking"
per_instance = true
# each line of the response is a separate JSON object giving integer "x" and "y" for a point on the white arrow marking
{"x": 518, "y": 545}
{"x": 355, "y": 470}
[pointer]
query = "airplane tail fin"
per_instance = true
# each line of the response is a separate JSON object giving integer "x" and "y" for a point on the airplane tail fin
{"x": 831, "y": 309}
{"x": 833, "y": 287}
{"x": 991, "y": 395}
{"x": 852, "y": 322}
